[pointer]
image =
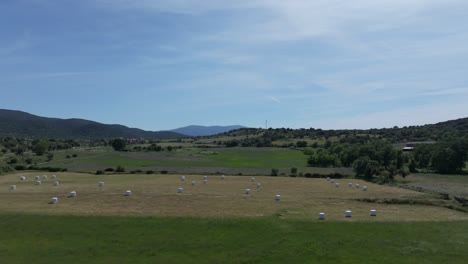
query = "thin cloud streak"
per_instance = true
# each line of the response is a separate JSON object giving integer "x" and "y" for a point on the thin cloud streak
{"x": 450, "y": 91}
{"x": 274, "y": 99}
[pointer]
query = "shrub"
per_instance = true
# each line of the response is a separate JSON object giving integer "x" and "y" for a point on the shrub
{"x": 164, "y": 172}
{"x": 149, "y": 172}
{"x": 13, "y": 161}
{"x": 5, "y": 169}
{"x": 109, "y": 169}
{"x": 120, "y": 169}
{"x": 20, "y": 167}
{"x": 99, "y": 172}
{"x": 274, "y": 172}
{"x": 49, "y": 169}
{"x": 293, "y": 171}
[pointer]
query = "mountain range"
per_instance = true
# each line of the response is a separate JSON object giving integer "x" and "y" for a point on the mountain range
{"x": 22, "y": 124}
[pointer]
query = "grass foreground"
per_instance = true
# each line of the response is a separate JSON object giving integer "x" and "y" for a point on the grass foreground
{"x": 33, "y": 238}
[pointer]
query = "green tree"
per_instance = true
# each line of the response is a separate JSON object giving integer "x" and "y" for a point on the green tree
{"x": 322, "y": 158}
{"x": 412, "y": 166}
{"x": 118, "y": 144}
{"x": 40, "y": 147}
{"x": 301, "y": 144}
{"x": 423, "y": 155}
{"x": 450, "y": 157}
{"x": 365, "y": 168}
{"x": 50, "y": 156}
{"x": 399, "y": 159}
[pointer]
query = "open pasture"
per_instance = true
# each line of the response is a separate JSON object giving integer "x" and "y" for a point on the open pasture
{"x": 258, "y": 161}
{"x": 453, "y": 185}
{"x": 156, "y": 195}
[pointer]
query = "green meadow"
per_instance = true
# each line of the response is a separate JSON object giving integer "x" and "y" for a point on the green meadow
{"x": 226, "y": 160}
{"x": 26, "y": 238}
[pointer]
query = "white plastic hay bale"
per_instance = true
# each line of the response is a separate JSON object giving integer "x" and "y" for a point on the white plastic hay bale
{"x": 364, "y": 188}
{"x": 373, "y": 212}
{"x": 205, "y": 177}
{"x": 54, "y": 200}
{"x": 222, "y": 177}
{"x": 193, "y": 183}
{"x": 348, "y": 213}
{"x": 12, "y": 187}
{"x": 180, "y": 190}
{"x": 332, "y": 181}
{"x": 22, "y": 178}
{"x": 337, "y": 184}
{"x": 357, "y": 185}
{"x": 247, "y": 191}
{"x": 182, "y": 178}
{"x": 328, "y": 178}
{"x": 259, "y": 185}
{"x": 101, "y": 184}
{"x": 72, "y": 194}
{"x": 350, "y": 184}
{"x": 277, "y": 197}
{"x": 44, "y": 177}
{"x": 38, "y": 182}
{"x": 54, "y": 177}
{"x": 252, "y": 179}
{"x": 128, "y": 193}
{"x": 56, "y": 183}
{"x": 205, "y": 181}
{"x": 37, "y": 178}
{"x": 321, "y": 216}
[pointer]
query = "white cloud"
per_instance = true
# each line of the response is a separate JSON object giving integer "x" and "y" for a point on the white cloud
{"x": 274, "y": 99}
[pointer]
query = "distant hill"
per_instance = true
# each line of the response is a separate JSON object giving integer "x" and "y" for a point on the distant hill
{"x": 22, "y": 124}
{"x": 409, "y": 134}
{"x": 204, "y": 130}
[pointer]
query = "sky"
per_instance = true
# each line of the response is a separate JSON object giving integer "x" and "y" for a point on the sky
{"x": 163, "y": 64}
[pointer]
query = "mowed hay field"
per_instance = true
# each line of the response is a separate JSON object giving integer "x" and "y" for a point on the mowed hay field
{"x": 217, "y": 223}
{"x": 156, "y": 195}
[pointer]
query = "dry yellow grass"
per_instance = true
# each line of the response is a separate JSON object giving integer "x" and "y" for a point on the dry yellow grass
{"x": 157, "y": 195}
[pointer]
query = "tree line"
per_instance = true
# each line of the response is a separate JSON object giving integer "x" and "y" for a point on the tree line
{"x": 380, "y": 158}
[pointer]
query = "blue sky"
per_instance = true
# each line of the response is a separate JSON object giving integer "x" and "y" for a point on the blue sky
{"x": 162, "y": 64}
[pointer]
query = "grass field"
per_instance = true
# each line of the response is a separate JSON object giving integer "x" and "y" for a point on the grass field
{"x": 218, "y": 223}
{"x": 250, "y": 161}
{"x": 453, "y": 185}
{"x": 26, "y": 238}
{"x": 157, "y": 195}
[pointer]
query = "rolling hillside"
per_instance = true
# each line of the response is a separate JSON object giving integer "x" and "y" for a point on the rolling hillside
{"x": 204, "y": 130}
{"x": 22, "y": 124}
